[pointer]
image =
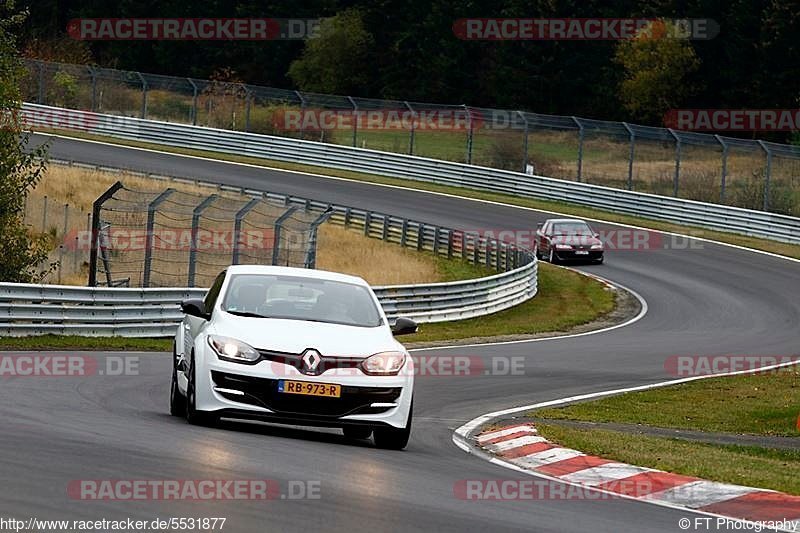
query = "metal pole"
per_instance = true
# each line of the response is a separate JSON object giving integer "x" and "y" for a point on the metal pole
{"x": 676, "y": 179}
{"x": 630, "y": 155}
{"x": 248, "y": 99}
{"x": 767, "y": 173}
{"x": 724, "y": 168}
{"x": 237, "y": 227}
{"x": 413, "y": 124}
{"x": 148, "y": 247}
{"x": 469, "y": 134}
{"x": 194, "y": 101}
{"x": 196, "y": 213}
{"x": 311, "y": 253}
{"x": 144, "y": 95}
{"x": 40, "y": 95}
{"x": 302, "y": 114}
{"x": 66, "y": 217}
{"x": 355, "y": 119}
{"x": 44, "y": 215}
{"x": 95, "y": 232}
{"x": 524, "y": 142}
{"x": 276, "y": 246}
{"x": 580, "y": 147}
{"x": 93, "y": 75}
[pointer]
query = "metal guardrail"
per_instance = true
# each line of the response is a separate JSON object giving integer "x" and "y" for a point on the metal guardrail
{"x": 98, "y": 311}
{"x": 677, "y": 210}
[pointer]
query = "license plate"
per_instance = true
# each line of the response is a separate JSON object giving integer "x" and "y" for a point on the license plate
{"x": 306, "y": 388}
{"x": 581, "y": 252}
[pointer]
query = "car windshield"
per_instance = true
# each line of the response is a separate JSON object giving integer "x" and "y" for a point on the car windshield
{"x": 300, "y": 298}
{"x": 572, "y": 228}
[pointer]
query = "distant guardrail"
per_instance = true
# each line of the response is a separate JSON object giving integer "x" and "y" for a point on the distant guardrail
{"x": 681, "y": 211}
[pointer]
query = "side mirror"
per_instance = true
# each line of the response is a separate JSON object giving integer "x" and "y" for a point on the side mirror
{"x": 404, "y": 326}
{"x": 195, "y": 308}
{"x": 539, "y": 225}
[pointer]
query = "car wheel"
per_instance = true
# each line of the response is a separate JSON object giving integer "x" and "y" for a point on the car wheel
{"x": 394, "y": 438}
{"x": 177, "y": 401}
{"x": 552, "y": 258}
{"x": 357, "y": 432}
{"x": 599, "y": 261}
{"x": 193, "y": 415}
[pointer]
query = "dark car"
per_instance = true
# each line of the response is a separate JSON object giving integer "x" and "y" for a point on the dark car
{"x": 567, "y": 239}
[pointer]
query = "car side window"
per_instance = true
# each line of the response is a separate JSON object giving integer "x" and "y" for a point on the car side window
{"x": 546, "y": 229}
{"x": 213, "y": 292}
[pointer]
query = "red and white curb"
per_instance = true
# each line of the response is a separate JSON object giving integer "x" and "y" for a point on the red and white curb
{"x": 522, "y": 446}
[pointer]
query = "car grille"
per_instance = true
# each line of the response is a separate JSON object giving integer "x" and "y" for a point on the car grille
{"x": 263, "y": 392}
{"x": 296, "y": 361}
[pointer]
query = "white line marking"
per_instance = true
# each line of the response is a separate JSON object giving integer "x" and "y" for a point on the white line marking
{"x": 503, "y": 432}
{"x": 604, "y": 473}
{"x": 553, "y": 455}
{"x": 515, "y": 443}
{"x": 700, "y": 493}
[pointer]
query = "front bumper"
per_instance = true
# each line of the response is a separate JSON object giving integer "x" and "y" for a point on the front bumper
{"x": 576, "y": 255}
{"x": 243, "y": 391}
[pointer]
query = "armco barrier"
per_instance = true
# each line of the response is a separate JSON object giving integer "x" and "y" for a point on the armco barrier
{"x": 680, "y": 211}
{"x": 27, "y": 309}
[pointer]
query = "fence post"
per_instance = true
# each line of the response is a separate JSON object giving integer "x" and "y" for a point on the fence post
{"x": 580, "y": 146}
{"x": 40, "y": 92}
{"x": 144, "y": 95}
{"x": 93, "y": 75}
{"x": 237, "y": 227}
{"x": 630, "y": 155}
{"x": 148, "y": 246}
{"x": 524, "y": 142}
{"x": 413, "y": 125}
{"x": 248, "y": 100}
{"x": 767, "y": 173}
{"x": 44, "y": 215}
{"x": 95, "y": 231}
{"x": 311, "y": 253}
{"x": 302, "y": 114}
{"x": 193, "y": 112}
{"x": 66, "y": 217}
{"x": 436, "y": 232}
{"x": 420, "y": 236}
{"x": 367, "y": 222}
{"x": 676, "y": 179}
{"x": 724, "y": 168}
{"x": 196, "y": 213}
{"x": 276, "y": 246}
{"x": 355, "y": 120}
{"x": 469, "y": 134}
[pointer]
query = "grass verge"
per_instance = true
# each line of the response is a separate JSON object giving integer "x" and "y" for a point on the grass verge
{"x": 759, "y": 404}
{"x": 740, "y": 465}
{"x": 789, "y": 250}
{"x": 565, "y": 300}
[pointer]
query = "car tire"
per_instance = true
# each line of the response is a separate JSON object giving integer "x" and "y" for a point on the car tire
{"x": 177, "y": 401}
{"x": 357, "y": 432}
{"x": 599, "y": 261}
{"x": 394, "y": 438}
{"x": 193, "y": 415}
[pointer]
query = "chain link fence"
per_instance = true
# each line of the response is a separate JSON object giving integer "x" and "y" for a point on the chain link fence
{"x": 711, "y": 168}
{"x": 173, "y": 238}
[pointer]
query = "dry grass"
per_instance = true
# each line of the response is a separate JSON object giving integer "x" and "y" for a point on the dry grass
{"x": 71, "y": 191}
{"x": 377, "y": 262}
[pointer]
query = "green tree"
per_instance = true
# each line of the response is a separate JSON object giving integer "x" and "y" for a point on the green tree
{"x": 657, "y": 66}
{"x": 20, "y": 169}
{"x": 336, "y": 60}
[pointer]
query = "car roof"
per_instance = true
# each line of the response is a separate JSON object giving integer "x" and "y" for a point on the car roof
{"x": 268, "y": 270}
{"x": 565, "y": 220}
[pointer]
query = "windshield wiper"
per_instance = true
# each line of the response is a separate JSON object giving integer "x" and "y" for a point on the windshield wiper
{"x": 245, "y": 313}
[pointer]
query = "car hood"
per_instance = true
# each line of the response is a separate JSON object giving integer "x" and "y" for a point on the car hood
{"x": 585, "y": 240}
{"x": 294, "y": 336}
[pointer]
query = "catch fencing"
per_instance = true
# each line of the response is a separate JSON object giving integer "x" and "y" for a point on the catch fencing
{"x": 709, "y": 168}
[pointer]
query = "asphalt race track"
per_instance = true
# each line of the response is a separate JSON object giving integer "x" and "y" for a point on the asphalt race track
{"x": 704, "y": 300}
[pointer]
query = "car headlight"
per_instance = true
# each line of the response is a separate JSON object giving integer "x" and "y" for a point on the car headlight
{"x": 234, "y": 350}
{"x": 563, "y": 247}
{"x": 384, "y": 364}
{"x": 597, "y": 247}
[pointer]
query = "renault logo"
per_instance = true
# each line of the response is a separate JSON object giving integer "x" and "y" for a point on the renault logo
{"x": 311, "y": 360}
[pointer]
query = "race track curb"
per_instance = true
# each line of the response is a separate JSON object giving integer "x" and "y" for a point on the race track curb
{"x": 522, "y": 446}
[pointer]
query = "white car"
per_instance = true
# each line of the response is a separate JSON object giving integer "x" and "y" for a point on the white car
{"x": 296, "y": 346}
